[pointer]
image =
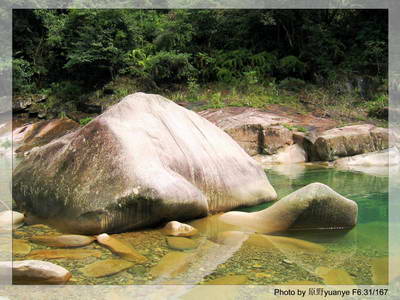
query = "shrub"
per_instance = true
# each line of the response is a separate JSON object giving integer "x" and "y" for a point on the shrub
{"x": 377, "y": 107}
{"x": 290, "y": 65}
{"x": 292, "y": 84}
{"x": 216, "y": 101}
{"x": 22, "y": 76}
{"x": 85, "y": 121}
{"x": 170, "y": 66}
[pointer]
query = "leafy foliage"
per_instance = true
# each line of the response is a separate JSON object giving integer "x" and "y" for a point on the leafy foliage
{"x": 85, "y": 121}
{"x": 73, "y": 52}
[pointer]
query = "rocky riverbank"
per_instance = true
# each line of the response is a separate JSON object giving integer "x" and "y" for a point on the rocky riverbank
{"x": 273, "y": 135}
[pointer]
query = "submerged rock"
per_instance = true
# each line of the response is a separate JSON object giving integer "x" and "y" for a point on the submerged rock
{"x": 36, "y": 272}
{"x": 285, "y": 244}
{"x": 334, "y": 276}
{"x": 120, "y": 248}
{"x": 172, "y": 264}
{"x": 228, "y": 280}
{"x": 181, "y": 243}
{"x": 179, "y": 229}
{"x": 63, "y": 254}
{"x": 63, "y": 241}
{"x": 231, "y": 238}
{"x": 315, "y": 206}
{"x": 380, "y": 270}
{"x": 106, "y": 267}
{"x": 143, "y": 161}
{"x": 20, "y": 247}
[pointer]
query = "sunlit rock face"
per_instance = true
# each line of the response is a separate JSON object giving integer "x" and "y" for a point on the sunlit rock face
{"x": 37, "y": 134}
{"x": 315, "y": 206}
{"x": 144, "y": 161}
{"x": 350, "y": 140}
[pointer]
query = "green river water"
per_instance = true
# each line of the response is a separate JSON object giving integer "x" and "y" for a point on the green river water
{"x": 358, "y": 256}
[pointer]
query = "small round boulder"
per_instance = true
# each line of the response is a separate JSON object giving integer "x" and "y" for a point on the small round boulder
{"x": 176, "y": 228}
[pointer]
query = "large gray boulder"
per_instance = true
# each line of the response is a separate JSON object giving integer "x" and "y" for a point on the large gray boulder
{"x": 350, "y": 140}
{"x": 144, "y": 161}
{"x": 315, "y": 206}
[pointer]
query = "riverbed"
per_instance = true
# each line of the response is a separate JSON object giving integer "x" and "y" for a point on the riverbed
{"x": 229, "y": 254}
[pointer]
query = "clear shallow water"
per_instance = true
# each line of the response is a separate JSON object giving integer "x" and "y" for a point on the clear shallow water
{"x": 358, "y": 256}
{"x": 370, "y": 192}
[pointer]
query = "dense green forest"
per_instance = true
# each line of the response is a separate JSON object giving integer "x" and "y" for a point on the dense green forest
{"x": 320, "y": 58}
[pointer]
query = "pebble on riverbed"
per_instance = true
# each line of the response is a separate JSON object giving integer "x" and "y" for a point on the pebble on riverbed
{"x": 176, "y": 228}
{"x": 63, "y": 241}
{"x": 64, "y": 253}
{"x": 20, "y": 247}
{"x": 36, "y": 272}
{"x": 181, "y": 243}
{"x": 106, "y": 267}
{"x": 171, "y": 265}
{"x": 120, "y": 248}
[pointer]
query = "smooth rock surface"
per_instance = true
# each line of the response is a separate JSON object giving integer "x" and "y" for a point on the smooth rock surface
{"x": 231, "y": 238}
{"x": 106, "y": 267}
{"x": 287, "y": 155}
{"x": 181, "y": 243}
{"x": 285, "y": 244}
{"x": 265, "y": 131}
{"x": 36, "y": 272}
{"x": 175, "y": 228}
{"x": 171, "y": 265}
{"x": 255, "y": 130}
{"x": 118, "y": 247}
{"x": 350, "y": 140}
{"x": 20, "y": 247}
{"x": 275, "y": 138}
{"x": 63, "y": 241}
{"x": 388, "y": 157}
{"x": 143, "y": 161}
{"x": 63, "y": 254}
{"x": 13, "y": 218}
{"x": 315, "y": 206}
